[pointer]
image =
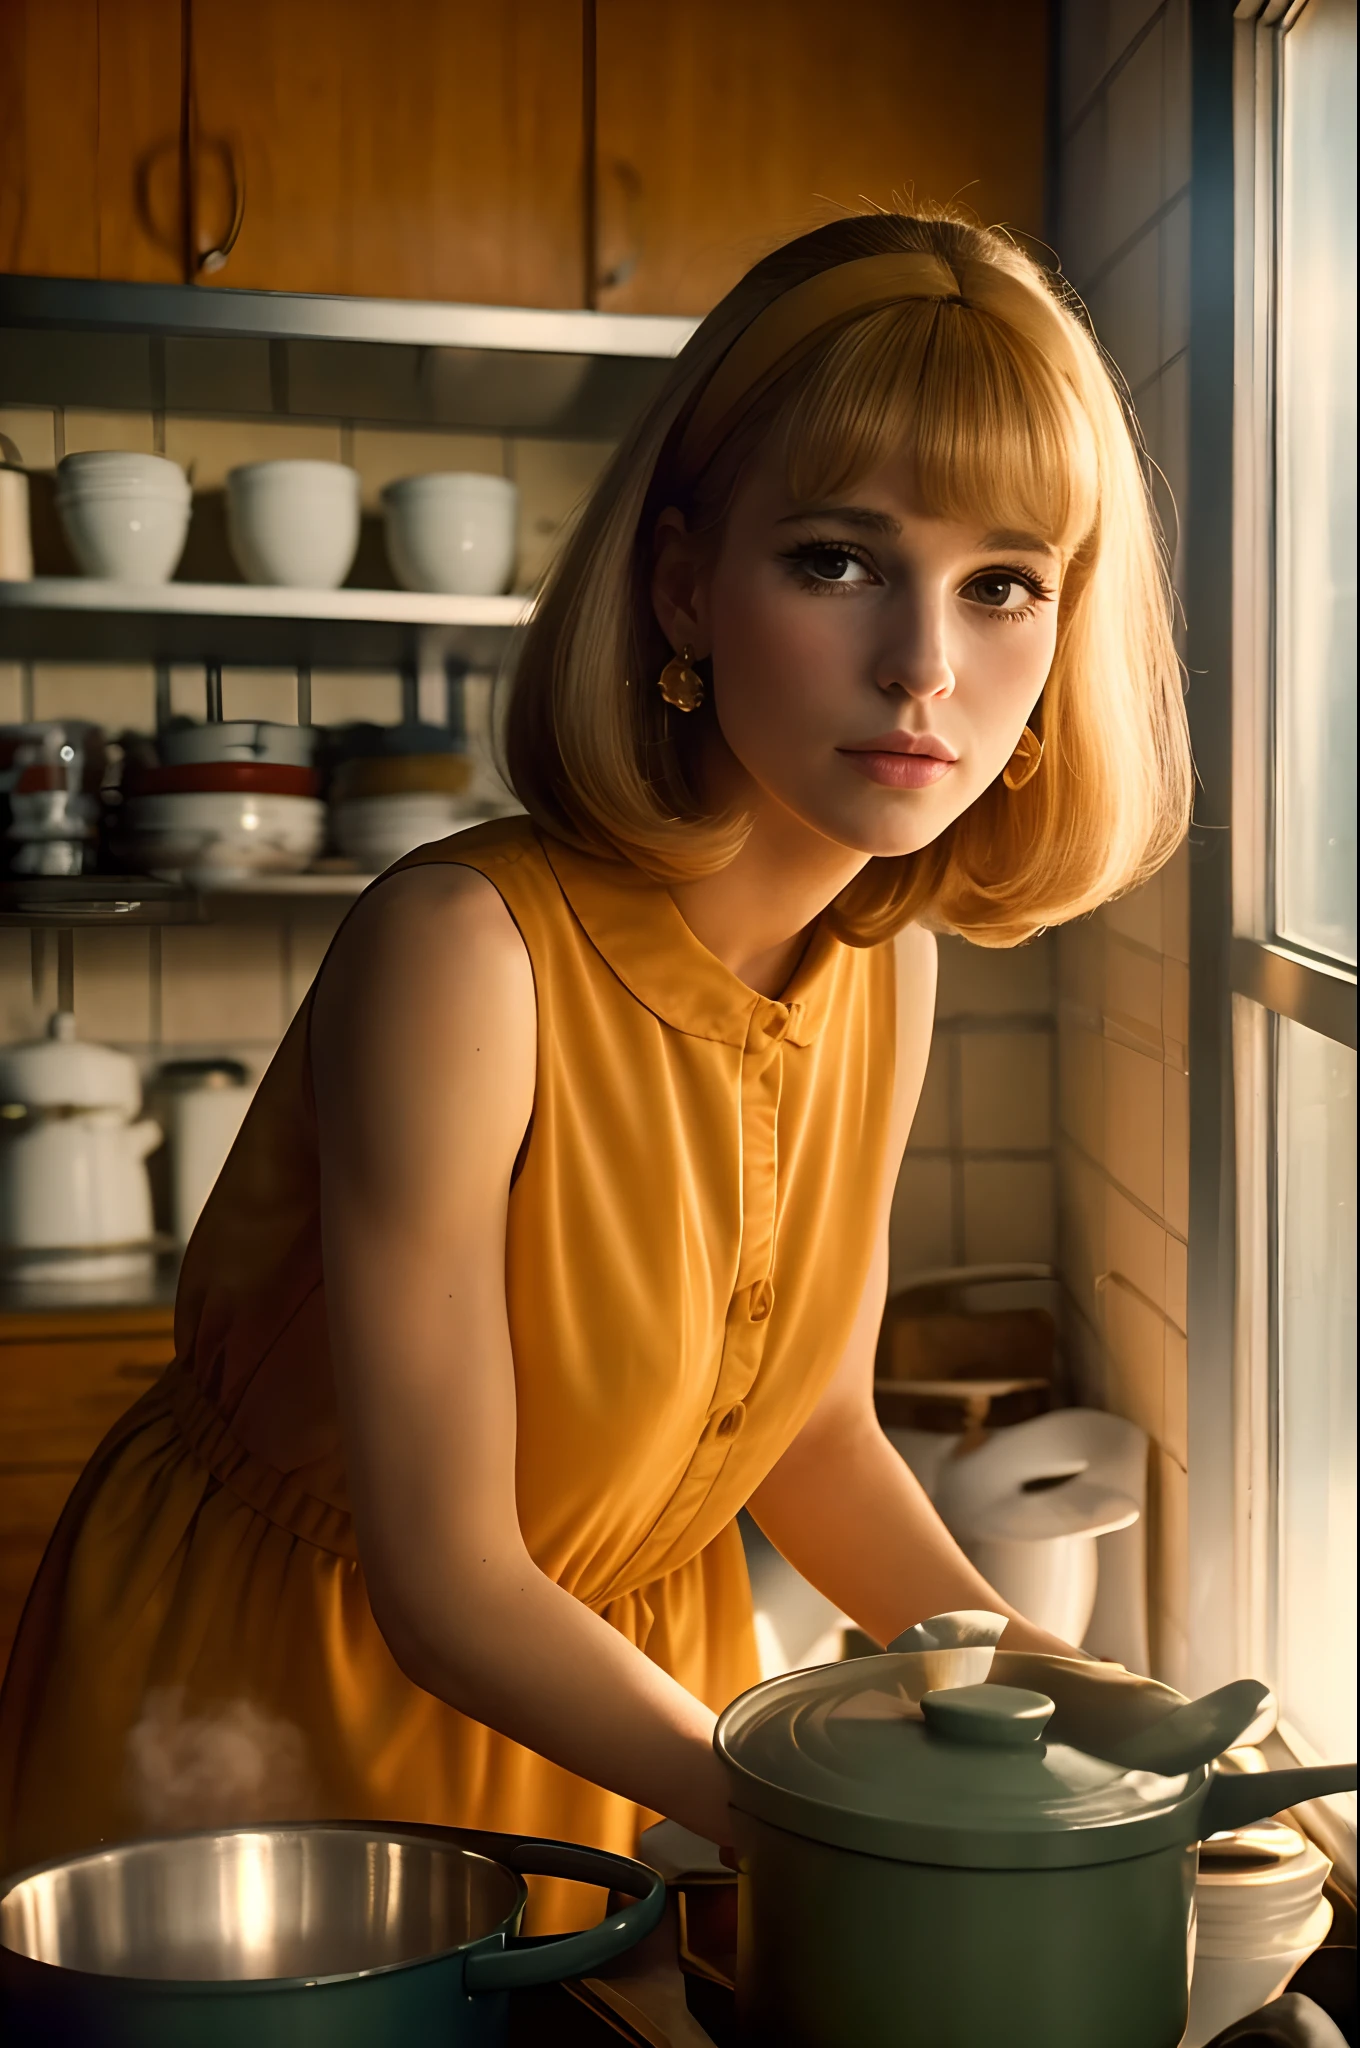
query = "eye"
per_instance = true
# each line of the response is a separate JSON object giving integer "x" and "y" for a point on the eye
{"x": 829, "y": 564}
{"x": 1003, "y": 590}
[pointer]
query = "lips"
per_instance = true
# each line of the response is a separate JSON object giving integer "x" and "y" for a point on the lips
{"x": 901, "y": 760}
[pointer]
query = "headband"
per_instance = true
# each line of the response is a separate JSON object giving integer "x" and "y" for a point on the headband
{"x": 784, "y": 329}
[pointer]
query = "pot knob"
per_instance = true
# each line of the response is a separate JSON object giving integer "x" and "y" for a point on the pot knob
{"x": 988, "y": 1716}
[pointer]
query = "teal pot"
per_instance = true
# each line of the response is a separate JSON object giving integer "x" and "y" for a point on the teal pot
{"x": 324, "y": 1935}
{"x": 979, "y": 1863}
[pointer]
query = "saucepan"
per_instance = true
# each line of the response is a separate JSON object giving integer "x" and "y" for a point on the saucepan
{"x": 319, "y": 1935}
{"x": 934, "y": 1855}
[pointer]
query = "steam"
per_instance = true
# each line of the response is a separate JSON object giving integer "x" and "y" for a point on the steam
{"x": 224, "y": 1767}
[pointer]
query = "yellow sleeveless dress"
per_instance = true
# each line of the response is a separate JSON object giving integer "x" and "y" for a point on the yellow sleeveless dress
{"x": 688, "y": 1237}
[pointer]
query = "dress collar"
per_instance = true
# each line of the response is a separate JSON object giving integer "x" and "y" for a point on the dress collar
{"x": 634, "y": 923}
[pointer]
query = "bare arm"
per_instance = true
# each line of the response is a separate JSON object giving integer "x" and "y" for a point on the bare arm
{"x": 841, "y": 1505}
{"x": 424, "y": 1042}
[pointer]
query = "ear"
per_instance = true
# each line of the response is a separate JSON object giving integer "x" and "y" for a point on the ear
{"x": 680, "y": 583}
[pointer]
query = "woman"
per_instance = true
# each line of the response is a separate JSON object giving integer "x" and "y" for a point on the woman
{"x": 557, "y": 1230}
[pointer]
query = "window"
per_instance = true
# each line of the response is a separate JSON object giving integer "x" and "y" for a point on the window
{"x": 1294, "y": 856}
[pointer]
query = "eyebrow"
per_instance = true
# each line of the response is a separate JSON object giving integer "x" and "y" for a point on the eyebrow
{"x": 871, "y": 521}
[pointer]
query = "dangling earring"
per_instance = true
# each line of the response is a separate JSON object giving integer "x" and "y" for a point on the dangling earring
{"x": 680, "y": 684}
{"x": 1023, "y": 765}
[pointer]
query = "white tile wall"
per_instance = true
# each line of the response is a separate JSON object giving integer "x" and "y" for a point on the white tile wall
{"x": 1123, "y": 978}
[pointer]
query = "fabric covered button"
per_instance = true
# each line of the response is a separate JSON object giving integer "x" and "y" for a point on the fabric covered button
{"x": 776, "y": 1024}
{"x": 762, "y": 1301}
{"x": 730, "y": 1423}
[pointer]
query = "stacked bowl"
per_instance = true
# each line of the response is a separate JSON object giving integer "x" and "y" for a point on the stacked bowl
{"x": 225, "y": 802}
{"x": 125, "y": 516}
{"x": 397, "y": 787}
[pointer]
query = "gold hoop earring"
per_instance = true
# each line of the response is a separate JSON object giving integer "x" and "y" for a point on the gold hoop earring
{"x": 680, "y": 684}
{"x": 1023, "y": 765}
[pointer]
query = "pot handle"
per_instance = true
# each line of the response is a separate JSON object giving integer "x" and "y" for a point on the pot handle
{"x": 522, "y": 1963}
{"x": 1240, "y": 1799}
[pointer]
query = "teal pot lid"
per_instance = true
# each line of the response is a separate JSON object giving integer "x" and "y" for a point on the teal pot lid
{"x": 967, "y": 1777}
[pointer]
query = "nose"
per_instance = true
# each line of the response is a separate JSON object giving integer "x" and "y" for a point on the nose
{"x": 915, "y": 658}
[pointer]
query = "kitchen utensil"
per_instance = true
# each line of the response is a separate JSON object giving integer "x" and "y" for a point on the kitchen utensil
{"x": 216, "y": 838}
{"x": 238, "y": 739}
{"x": 960, "y": 1869}
{"x": 294, "y": 523}
{"x": 206, "y": 1102}
{"x": 1259, "y": 1915}
{"x": 318, "y": 1935}
{"x": 950, "y": 1649}
{"x": 16, "y": 543}
{"x": 453, "y": 532}
{"x": 50, "y": 772}
{"x": 75, "y": 1197}
{"x": 1037, "y": 1507}
{"x": 125, "y": 516}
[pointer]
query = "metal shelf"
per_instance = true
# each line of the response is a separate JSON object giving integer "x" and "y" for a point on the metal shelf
{"x": 77, "y": 618}
{"x": 67, "y": 903}
{"x": 196, "y": 348}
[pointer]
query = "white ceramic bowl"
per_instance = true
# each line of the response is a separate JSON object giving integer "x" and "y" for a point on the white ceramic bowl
{"x": 107, "y": 468}
{"x": 453, "y": 533}
{"x": 218, "y": 836}
{"x": 125, "y": 516}
{"x": 238, "y": 739}
{"x": 294, "y": 523}
{"x": 376, "y": 830}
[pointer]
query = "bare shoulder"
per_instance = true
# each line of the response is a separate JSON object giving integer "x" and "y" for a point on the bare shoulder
{"x": 429, "y": 966}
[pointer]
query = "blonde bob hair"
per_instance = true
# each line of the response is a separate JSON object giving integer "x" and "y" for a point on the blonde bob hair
{"x": 1001, "y": 401}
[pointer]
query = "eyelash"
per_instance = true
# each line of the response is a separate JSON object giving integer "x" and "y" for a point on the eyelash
{"x": 818, "y": 586}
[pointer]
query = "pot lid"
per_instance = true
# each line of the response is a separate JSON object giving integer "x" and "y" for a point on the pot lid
{"x": 853, "y": 1755}
{"x": 62, "y": 1071}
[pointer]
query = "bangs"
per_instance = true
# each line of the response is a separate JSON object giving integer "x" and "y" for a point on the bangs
{"x": 993, "y": 434}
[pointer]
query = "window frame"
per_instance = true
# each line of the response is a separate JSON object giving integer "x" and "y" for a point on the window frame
{"x": 1268, "y": 978}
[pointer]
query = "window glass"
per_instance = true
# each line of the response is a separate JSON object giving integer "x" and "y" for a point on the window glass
{"x": 1315, "y": 712}
{"x": 1316, "y": 1587}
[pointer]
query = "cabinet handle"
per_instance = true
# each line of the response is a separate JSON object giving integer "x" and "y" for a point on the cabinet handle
{"x": 629, "y": 181}
{"x": 209, "y": 260}
{"x": 159, "y": 155}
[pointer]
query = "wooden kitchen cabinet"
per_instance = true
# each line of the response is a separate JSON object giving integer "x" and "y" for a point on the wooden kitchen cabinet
{"x": 722, "y": 129}
{"x": 65, "y": 1378}
{"x": 89, "y": 138}
{"x": 400, "y": 150}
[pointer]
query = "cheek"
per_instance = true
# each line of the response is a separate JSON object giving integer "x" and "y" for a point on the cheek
{"x": 1000, "y": 675}
{"x": 780, "y": 664}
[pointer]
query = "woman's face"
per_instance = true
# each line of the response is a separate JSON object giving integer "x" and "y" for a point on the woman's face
{"x": 873, "y": 667}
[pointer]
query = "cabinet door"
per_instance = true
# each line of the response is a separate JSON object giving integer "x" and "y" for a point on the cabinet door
{"x": 724, "y": 129}
{"x": 400, "y": 150}
{"x": 89, "y": 138}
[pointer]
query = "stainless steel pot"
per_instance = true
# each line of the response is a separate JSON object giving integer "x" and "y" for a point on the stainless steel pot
{"x": 1002, "y": 1862}
{"x": 342, "y": 1935}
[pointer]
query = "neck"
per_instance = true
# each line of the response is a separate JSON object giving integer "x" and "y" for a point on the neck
{"x": 755, "y": 915}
